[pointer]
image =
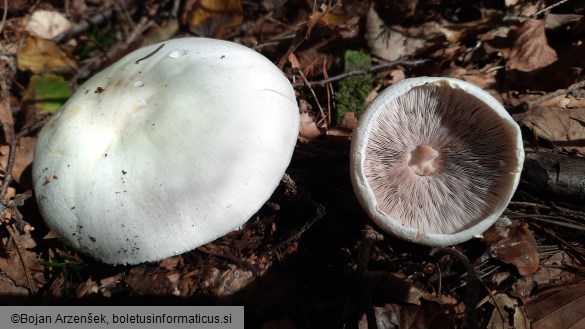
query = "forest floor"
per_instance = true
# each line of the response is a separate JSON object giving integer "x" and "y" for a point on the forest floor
{"x": 310, "y": 258}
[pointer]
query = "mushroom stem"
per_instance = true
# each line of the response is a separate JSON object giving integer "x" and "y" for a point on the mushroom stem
{"x": 422, "y": 160}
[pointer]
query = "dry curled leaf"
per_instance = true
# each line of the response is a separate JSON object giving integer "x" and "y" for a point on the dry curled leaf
{"x": 43, "y": 56}
{"x": 530, "y": 50}
{"x": 308, "y": 128}
{"x": 513, "y": 243}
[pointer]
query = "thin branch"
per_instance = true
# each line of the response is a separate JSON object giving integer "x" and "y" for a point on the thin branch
{"x": 315, "y": 97}
{"x": 473, "y": 283}
{"x": 319, "y": 213}
{"x": 32, "y": 128}
{"x": 87, "y": 24}
{"x": 4, "y": 15}
{"x": 5, "y": 94}
{"x": 9, "y": 166}
{"x": 372, "y": 69}
{"x": 547, "y": 8}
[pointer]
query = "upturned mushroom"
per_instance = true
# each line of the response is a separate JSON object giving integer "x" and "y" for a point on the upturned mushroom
{"x": 435, "y": 160}
{"x": 171, "y": 147}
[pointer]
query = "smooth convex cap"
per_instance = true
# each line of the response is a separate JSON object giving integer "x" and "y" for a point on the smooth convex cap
{"x": 171, "y": 147}
{"x": 435, "y": 160}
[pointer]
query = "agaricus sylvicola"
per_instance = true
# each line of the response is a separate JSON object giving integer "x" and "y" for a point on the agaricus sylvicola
{"x": 171, "y": 147}
{"x": 435, "y": 160}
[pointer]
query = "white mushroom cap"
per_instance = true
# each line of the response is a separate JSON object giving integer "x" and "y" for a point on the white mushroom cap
{"x": 435, "y": 160}
{"x": 171, "y": 147}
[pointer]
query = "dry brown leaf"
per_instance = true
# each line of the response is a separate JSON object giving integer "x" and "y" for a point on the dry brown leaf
{"x": 7, "y": 287}
{"x": 160, "y": 33}
{"x": 530, "y": 50}
{"x": 12, "y": 266}
{"x": 349, "y": 121}
{"x": 170, "y": 263}
{"x": 513, "y": 244}
{"x": 326, "y": 16}
{"x": 22, "y": 159}
{"x": 550, "y": 272}
{"x": 523, "y": 288}
{"x": 512, "y": 316}
{"x": 308, "y": 129}
{"x": 43, "y": 56}
{"x": 564, "y": 128}
{"x": 213, "y": 18}
{"x": 562, "y": 308}
{"x": 424, "y": 316}
{"x": 6, "y": 119}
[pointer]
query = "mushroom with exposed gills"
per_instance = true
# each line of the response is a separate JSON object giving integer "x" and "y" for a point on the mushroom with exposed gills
{"x": 169, "y": 148}
{"x": 435, "y": 160}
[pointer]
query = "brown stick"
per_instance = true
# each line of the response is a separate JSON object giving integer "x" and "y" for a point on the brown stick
{"x": 372, "y": 69}
{"x": 558, "y": 174}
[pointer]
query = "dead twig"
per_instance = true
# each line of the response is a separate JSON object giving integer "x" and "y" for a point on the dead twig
{"x": 569, "y": 247}
{"x": 222, "y": 252}
{"x": 40, "y": 123}
{"x": 319, "y": 213}
{"x": 87, "y": 24}
{"x": 9, "y": 166}
{"x": 372, "y": 69}
{"x": 4, "y": 15}
{"x": 547, "y": 8}
{"x": 316, "y": 99}
{"x": 473, "y": 283}
{"x": 5, "y": 98}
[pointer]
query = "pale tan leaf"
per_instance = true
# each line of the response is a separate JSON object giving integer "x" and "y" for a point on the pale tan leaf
{"x": 384, "y": 41}
{"x": 47, "y": 24}
{"x": 308, "y": 129}
{"x": 564, "y": 128}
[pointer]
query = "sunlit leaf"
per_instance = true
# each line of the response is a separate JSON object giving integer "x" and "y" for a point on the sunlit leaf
{"x": 212, "y": 18}
{"x": 43, "y": 56}
{"x": 47, "y": 93}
